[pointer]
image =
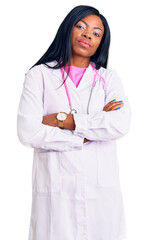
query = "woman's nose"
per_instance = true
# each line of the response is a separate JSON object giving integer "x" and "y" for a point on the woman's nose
{"x": 86, "y": 35}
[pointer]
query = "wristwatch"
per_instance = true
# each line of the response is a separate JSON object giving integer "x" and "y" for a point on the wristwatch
{"x": 61, "y": 116}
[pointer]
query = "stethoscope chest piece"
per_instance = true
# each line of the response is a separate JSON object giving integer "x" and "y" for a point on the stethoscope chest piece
{"x": 71, "y": 111}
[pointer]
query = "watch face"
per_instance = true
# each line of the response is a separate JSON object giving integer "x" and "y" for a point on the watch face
{"x": 61, "y": 116}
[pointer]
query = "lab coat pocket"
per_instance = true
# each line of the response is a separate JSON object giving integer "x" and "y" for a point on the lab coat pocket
{"x": 48, "y": 168}
{"x": 108, "y": 168}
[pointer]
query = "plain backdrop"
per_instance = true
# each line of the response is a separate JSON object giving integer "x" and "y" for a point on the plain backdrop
{"x": 27, "y": 29}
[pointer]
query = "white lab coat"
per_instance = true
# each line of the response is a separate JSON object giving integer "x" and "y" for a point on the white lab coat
{"x": 76, "y": 187}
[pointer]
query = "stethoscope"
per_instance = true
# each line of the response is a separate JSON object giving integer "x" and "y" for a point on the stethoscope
{"x": 73, "y": 111}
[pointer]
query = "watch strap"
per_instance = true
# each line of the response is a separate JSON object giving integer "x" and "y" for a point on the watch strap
{"x": 61, "y": 124}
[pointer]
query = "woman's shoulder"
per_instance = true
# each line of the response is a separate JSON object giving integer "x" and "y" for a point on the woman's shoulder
{"x": 109, "y": 74}
{"x": 41, "y": 68}
{"x": 104, "y": 71}
{"x": 113, "y": 79}
{"x": 107, "y": 71}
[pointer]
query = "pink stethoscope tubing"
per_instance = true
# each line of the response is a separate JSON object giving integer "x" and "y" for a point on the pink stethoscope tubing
{"x": 93, "y": 85}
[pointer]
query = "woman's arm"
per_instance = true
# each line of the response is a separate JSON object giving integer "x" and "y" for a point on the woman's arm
{"x": 51, "y": 120}
{"x": 69, "y": 123}
{"x": 30, "y": 129}
{"x": 106, "y": 125}
{"x": 109, "y": 124}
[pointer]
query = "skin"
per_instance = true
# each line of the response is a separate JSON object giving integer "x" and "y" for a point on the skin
{"x": 86, "y": 37}
{"x": 90, "y": 29}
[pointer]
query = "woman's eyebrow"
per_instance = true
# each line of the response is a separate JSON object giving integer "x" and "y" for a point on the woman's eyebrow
{"x": 87, "y": 24}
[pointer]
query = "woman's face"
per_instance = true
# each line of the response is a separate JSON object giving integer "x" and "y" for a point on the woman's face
{"x": 86, "y": 36}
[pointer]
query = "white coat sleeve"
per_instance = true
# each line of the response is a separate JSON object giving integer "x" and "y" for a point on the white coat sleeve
{"x": 105, "y": 126}
{"x": 30, "y": 130}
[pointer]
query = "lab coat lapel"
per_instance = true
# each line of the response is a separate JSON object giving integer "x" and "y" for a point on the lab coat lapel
{"x": 57, "y": 73}
{"x": 85, "y": 82}
{"x": 87, "y": 79}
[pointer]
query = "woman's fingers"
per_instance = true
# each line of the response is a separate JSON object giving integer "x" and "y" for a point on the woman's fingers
{"x": 106, "y": 107}
{"x": 86, "y": 140}
{"x": 113, "y": 105}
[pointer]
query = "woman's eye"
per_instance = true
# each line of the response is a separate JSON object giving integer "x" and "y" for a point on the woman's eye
{"x": 80, "y": 26}
{"x": 96, "y": 34}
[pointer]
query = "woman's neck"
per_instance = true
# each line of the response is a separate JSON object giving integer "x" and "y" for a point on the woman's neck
{"x": 80, "y": 62}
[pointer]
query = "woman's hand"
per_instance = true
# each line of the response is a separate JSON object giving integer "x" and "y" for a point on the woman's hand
{"x": 86, "y": 140}
{"x": 69, "y": 123}
{"x": 113, "y": 105}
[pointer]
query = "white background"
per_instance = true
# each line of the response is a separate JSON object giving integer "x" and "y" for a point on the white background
{"x": 27, "y": 29}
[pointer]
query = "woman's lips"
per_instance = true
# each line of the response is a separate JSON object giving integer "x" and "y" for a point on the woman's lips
{"x": 84, "y": 43}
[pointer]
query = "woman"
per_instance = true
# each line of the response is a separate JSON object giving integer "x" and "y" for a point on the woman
{"x": 72, "y": 111}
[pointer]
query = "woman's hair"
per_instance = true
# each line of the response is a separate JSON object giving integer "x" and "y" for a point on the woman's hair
{"x": 60, "y": 48}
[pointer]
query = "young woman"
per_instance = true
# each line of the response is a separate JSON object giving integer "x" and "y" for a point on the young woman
{"x": 72, "y": 111}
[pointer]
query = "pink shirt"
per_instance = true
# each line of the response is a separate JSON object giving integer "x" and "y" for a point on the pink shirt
{"x": 75, "y": 74}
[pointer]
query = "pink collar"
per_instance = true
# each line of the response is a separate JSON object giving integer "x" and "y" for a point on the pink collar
{"x": 75, "y": 74}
